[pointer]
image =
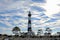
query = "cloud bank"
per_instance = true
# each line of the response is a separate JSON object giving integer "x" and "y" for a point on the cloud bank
{"x": 14, "y": 13}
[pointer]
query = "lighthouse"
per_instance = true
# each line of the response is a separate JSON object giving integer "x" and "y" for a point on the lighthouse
{"x": 30, "y": 32}
{"x": 29, "y": 22}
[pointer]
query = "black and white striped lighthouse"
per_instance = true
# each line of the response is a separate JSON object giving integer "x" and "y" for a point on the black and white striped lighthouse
{"x": 30, "y": 32}
{"x": 29, "y": 22}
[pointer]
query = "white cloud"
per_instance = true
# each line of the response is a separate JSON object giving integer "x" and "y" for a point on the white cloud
{"x": 51, "y": 7}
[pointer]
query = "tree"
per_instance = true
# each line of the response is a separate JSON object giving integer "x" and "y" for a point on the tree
{"x": 40, "y": 32}
{"x": 48, "y": 31}
{"x": 0, "y": 34}
{"x": 16, "y": 30}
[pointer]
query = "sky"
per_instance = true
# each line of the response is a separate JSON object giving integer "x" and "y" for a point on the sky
{"x": 45, "y": 13}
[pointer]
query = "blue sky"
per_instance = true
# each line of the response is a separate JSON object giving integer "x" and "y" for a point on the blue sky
{"x": 45, "y": 13}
